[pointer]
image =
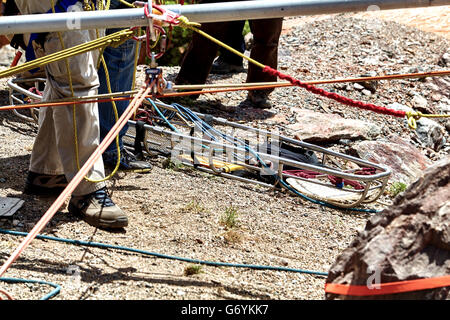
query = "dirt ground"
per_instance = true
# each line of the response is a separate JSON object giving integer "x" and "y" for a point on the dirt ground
{"x": 178, "y": 211}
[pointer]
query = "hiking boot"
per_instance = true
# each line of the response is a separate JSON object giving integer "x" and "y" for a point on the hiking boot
{"x": 98, "y": 210}
{"x": 259, "y": 99}
{"x": 44, "y": 184}
{"x": 128, "y": 162}
{"x": 221, "y": 67}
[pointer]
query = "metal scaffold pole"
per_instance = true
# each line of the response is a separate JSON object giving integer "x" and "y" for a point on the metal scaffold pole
{"x": 214, "y": 12}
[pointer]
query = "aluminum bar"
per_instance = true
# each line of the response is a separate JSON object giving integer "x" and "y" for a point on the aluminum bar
{"x": 239, "y": 10}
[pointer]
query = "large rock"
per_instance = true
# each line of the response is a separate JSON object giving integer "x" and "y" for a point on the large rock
{"x": 319, "y": 127}
{"x": 406, "y": 162}
{"x": 409, "y": 240}
{"x": 429, "y": 133}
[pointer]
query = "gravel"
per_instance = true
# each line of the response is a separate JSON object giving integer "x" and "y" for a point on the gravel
{"x": 178, "y": 212}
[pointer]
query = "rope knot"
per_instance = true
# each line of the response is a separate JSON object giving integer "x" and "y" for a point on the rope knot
{"x": 412, "y": 117}
{"x": 184, "y": 22}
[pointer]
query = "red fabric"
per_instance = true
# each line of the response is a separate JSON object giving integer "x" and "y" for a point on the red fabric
{"x": 335, "y": 180}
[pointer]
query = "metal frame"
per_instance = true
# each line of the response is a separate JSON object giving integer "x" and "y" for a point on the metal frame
{"x": 242, "y": 10}
{"x": 15, "y": 89}
{"x": 374, "y": 185}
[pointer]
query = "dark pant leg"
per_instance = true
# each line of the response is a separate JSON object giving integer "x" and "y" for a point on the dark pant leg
{"x": 266, "y": 34}
{"x": 197, "y": 61}
{"x": 234, "y": 39}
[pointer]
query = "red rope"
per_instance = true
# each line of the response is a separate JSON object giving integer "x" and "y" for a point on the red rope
{"x": 335, "y": 96}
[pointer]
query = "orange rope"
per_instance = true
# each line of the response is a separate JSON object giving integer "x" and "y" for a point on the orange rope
{"x": 6, "y": 294}
{"x": 128, "y": 113}
{"x": 256, "y": 87}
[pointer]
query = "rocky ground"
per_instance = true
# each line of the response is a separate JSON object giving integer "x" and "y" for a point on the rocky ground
{"x": 178, "y": 211}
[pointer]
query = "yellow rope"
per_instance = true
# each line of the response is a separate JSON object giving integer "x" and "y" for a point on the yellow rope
{"x": 114, "y": 39}
{"x": 414, "y": 116}
{"x": 185, "y": 23}
{"x": 127, "y": 4}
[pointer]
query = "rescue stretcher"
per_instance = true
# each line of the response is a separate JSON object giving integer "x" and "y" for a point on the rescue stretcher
{"x": 236, "y": 151}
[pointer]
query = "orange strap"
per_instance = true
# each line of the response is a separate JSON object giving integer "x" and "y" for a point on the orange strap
{"x": 388, "y": 288}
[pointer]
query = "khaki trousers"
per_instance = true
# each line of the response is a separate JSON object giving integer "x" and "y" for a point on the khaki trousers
{"x": 54, "y": 147}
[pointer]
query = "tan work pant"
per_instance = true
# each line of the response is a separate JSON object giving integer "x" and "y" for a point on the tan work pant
{"x": 54, "y": 147}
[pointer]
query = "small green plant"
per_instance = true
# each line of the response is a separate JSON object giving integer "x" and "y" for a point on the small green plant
{"x": 194, "y": 207}
{"x": 229, "y": 218}
{"x": 396, "y": 188}
{"x": 172, "y": 165}
{"x": 193, "y": 269}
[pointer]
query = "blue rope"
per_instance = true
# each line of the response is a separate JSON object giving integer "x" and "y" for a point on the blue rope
{"x": 164, "y": 256}
{"x": 158, "y": 255}
{"x": 53, "y": 293}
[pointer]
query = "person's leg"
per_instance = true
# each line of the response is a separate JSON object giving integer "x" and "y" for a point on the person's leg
{"x": 90, "y": 199}
{"x": 197, "y": 61}
{"x": 84, "y": 82}
{"x": 46, "y": 172}
{"x": 229, "y": 62}
{"x": 235, "y": 39}
{"x": 120, "y": 68}
{"x": 266, "y": 34}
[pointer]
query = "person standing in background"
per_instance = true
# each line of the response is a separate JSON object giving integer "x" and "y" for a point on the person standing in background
{"x": 199, "y": 57}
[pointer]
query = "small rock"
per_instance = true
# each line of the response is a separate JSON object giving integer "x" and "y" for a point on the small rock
{"x": 357, "y": 86}
{"x": 17, "y": 223}
{"x": 181, "y": 292}
{"x": 444, "y": 60}
{"x": 366, "y": 92}
{"x": 436, "y": 96}
{"x": 248, "y": 39}
{"x": 419, "y": 103}
{"x": 443, "y": 107}
{"x": 430, "y": 133}
{"x": 370, "y": 85}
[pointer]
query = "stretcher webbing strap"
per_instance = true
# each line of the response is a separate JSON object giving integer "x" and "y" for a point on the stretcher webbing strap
{"x": 389, "y": 287}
